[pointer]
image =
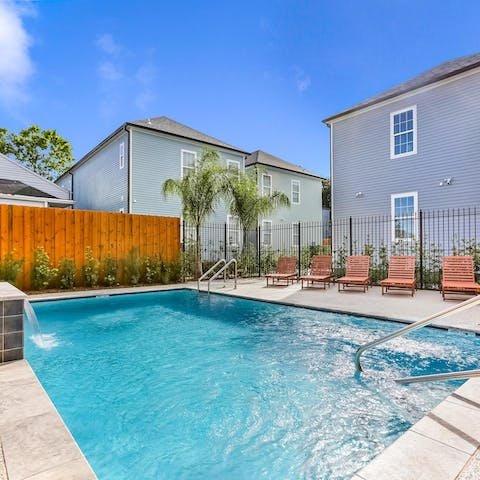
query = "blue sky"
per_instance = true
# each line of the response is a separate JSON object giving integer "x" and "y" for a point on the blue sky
{"x": 256, "y": 74}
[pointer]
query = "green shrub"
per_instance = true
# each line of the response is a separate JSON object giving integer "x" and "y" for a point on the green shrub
{"x": 42, "y": 272}
{"x": 67, "y": 271}
{"x": 174, "y": 272}
{"x": 10, "y": 268}
{"x": 110, "y": 269}
{"x": 90, "y": 269}
{"x": 133, "y": 267}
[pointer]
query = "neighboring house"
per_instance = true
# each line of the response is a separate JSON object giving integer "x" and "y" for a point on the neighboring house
{"x": 413, "y": 147}
{"x": 303, "y": 188}
{"x": 21, "y": 186}
{"x": 126, "y": 171}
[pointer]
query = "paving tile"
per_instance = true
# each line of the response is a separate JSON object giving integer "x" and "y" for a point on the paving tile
{"x": 467, "y": 395}
{"x": 76, "y": 470}
{"x": 414, "y": 457}
{"x": 453, "y": 425}
{"x": 37, "y": 444}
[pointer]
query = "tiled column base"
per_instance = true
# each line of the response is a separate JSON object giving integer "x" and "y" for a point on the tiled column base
{"x": 11, "y": 323}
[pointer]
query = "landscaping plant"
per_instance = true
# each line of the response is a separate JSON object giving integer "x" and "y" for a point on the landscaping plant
{"x": 67, "y": 271}
{"x": 10, "y": 268}
{"x": 42, "y": 272}
{"x": 90, "y": 269}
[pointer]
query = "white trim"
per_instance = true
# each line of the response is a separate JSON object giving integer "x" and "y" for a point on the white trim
{"x": 295, "y": 234}
{"x": 182, "y": 151}
{"x": 299, "y": 192}
{"x": 237, "y": 230}
{"x": 263, "y": 183}
{"x": 263, "y": 232}
{"x": 392, "y": 134}
{"x": 405, "y": 95}
{"x": 393, "y": 196}
{"x": 130, "y": 170}
{"x": 60, "y": 201}
{"x": 121, "y": 155}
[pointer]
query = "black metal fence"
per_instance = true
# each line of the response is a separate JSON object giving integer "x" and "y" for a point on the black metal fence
{"x": 428, "y": 235}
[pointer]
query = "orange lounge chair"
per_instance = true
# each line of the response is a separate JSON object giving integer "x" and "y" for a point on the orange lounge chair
{"x": 320, "y": 272}
{"x": 401, "y": 274}
{"x": 458, "y": 275}
{"x": 357, "y": 272}
{"x": 286, "y": 270}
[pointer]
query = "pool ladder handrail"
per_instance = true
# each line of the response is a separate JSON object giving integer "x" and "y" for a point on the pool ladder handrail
{"x": 415, "y": 326}
{"x": 224, "y": 270}
{"x": 209, "y": 271}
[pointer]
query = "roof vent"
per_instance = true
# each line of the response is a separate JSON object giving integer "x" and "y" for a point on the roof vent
{"x": 149, "y": 122}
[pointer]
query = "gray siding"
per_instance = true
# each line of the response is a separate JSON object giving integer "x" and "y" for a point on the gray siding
{"x": 156, "y": 158}
{"x": 99, "y": 183}
{"x": 448, "y": 145}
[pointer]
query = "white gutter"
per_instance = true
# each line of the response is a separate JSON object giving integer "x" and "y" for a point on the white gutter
{"x": 30, "y": 198}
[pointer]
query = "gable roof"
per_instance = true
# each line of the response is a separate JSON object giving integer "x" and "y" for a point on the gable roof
{"x": 440, "y": 72}
{"x": 263, "y": 158}
{"x": 167, "y": 125}
{"x": 16, "y": 179}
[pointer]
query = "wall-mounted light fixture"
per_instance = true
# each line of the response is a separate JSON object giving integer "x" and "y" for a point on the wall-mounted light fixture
{"x": 445, "y": 181}
{"x": 359, "y": 195}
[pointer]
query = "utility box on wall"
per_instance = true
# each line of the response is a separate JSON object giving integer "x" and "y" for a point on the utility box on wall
{"x": 11, "y": 322}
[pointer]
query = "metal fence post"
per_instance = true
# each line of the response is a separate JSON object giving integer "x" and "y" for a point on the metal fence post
{"x": 299, "y": 250}
{"x": 183, "y": 236}
{"x": 420, "y": 247}
{"x": 225, "y": 241}
{"x": 350, "y": 235}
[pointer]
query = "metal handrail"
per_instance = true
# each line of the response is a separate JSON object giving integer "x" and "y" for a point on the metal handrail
{"x": 440, "y": 376}
{"x": 414, "y": 326}
{"x": 224, "y": 270}
{"x": 210, "y": 270}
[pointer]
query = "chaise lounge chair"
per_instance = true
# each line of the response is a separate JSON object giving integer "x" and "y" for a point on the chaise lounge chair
{"x": 320, "y": 272}
{"x": 286, "y": 270}
{"x": 401, "y": 274}
{"x": 458, "y": 275}
{"x": 357, "y": 273}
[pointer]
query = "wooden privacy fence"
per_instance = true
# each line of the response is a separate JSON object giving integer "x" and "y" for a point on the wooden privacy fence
{"x": 67, "y": 233}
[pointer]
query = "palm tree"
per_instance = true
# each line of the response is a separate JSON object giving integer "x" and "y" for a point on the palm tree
{"x": 200, "y": 192}
{"x": 248, "y": 204}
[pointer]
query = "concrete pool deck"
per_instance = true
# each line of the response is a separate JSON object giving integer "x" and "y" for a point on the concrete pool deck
{"x": 444, "y": 445}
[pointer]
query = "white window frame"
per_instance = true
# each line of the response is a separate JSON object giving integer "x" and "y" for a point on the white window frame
{"x": 231, "y": 162}
{"x": 121, "y": 155}
{"x": 392, "y": 134}
{"x": 264, "y": 231}
{"x": 393, "y": 196}
{"x": 182, "y": 166}
{"x": 265, "y": 186}
{"x": 295, "y": 236}
{"x": 295, "y": 182}
{"x": 237, "y": 230}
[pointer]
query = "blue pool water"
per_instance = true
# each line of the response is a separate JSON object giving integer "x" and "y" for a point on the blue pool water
{"x": 173, "y": 385}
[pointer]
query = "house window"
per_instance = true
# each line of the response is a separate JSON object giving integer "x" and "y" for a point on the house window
{"x": 403, "y": 132}
{"x": 404, "y": 216}
{"x": 234, "y": 165}
{"x": 295, "y": 235}
{"x": 267, "y": 232}
{"x": 266, "y": 185}
{"x": 189, "y": 162}
{"x": 296, "y": 192}
{"x": 233, "y": 231}
{"x": 121, "y": 156}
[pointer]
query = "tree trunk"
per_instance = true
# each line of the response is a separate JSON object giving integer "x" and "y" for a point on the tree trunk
{"x": 198, "y": 253}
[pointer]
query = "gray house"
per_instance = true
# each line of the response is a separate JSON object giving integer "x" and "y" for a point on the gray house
{"x": 303, "y": 188}
{"x": 21, "y": 186}
{"x": 126, "y": 171}
{"x": 413, "y": 147}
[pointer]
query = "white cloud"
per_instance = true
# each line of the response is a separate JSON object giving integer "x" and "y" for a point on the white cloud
{"x": 16, "y": 66}
{"x": 109, "y": 71}
{"x": 107, "y": 44}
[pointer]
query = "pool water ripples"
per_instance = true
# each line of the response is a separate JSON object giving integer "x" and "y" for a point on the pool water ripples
{"x": 179, "y": 385}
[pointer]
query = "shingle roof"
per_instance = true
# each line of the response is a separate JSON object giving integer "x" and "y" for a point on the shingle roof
{"x": 440, "y": 72}
{"x": 167, "y": 125}
{"x": 263, "y": 158}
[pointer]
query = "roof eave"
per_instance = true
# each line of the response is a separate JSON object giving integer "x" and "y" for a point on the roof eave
{"x": 308, "y": 174}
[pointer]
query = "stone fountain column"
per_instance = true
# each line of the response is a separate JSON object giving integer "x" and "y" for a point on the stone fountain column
{"x": 11, "y": 322}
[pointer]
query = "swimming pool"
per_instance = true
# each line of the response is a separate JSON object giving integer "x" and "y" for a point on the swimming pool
{"x": 173, "y": 385}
